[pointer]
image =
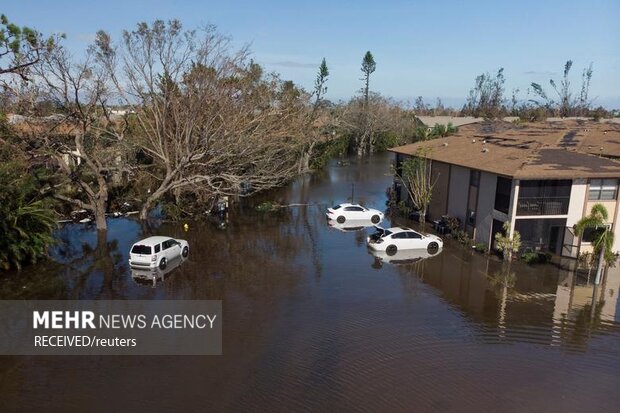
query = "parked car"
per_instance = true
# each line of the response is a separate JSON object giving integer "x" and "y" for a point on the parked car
{"x": 156, "y": 252}
{"x": 344, "y": 212}
{"x": 392, "y": 240}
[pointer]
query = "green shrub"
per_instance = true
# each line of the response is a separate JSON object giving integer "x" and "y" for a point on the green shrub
{"x": 481, "y": 247}
{"x": 535, "y": 257}
{"x": 462, "y": 237}
{"x": 265, "y": 206}
{"x": 26, "y": 219}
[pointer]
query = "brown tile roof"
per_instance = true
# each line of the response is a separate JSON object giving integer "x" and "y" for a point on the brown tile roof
{"x": 546, "y": 150}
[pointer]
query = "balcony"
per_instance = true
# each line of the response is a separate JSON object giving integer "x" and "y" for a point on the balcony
{"x": 543, "y": 206}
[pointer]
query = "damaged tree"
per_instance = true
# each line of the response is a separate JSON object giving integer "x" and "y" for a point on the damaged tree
{"x": 84, "y": 142}
{"x": 417, "y": 179}
{"x": 210, "y": 120}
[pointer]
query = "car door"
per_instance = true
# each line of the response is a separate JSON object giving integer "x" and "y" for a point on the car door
{"x": 175, "y": 248}
{"x": 415, "y": 240}
{"x": 352, "y": 212}
{"x": 166, "y": 248}
{"x": 400, "y": 240}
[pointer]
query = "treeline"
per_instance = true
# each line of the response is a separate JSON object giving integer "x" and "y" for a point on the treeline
{"x": 488, "y": 98}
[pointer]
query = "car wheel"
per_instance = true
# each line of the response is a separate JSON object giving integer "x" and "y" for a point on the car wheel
{"x": 391, "y": 250}
{"x": 185, "y": 252}
{"x": 375, "y": 219}
{"x": 340, "y": 219}
{"x": 162, "y": 264}
{"x": 432, "y": 248}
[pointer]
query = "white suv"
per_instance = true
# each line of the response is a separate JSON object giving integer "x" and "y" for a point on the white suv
{"x": 156, "y": 252}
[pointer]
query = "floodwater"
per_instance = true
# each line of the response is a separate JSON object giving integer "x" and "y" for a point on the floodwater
{"x": 313, "y": 322}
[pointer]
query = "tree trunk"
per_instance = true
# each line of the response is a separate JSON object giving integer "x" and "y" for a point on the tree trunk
{"x": 100, "y": 221}
{"x": 150, "y": 201}
{"x": 601, "y": 264}
{"x": 101, "y": 203}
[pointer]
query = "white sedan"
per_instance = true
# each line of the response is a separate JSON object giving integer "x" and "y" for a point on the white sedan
{"x": 156, "y": 252}
{"x": 353, "y": 212}
{"x": 392, "y": 240}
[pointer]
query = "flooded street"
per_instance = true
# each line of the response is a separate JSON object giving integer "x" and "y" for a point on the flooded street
{"x": 314, "y": 322}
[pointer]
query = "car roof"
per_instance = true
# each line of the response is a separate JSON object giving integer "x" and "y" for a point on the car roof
{"x": 401, "y": 229}
{"x": 153, "y": 240}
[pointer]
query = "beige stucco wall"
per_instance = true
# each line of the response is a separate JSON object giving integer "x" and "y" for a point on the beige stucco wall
{"x": 578, "y": 195}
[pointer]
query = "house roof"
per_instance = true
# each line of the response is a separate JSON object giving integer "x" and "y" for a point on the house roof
{"x": 544, "y": 150}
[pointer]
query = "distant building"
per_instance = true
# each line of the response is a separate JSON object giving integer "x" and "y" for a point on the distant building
{"x": 541, "y": 178}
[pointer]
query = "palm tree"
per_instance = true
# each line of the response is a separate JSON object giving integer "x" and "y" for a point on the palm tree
{"x": 603, "y": 238}
{"x": 508, "y": 243}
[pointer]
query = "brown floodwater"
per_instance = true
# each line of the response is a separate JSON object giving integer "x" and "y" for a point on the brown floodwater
{"x": 313, "y": 322}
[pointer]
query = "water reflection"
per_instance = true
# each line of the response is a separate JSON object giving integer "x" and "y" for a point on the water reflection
{"x": 403, "y": 256}
{"x": 351, "y": 225}
{"x": 153, "y": 276}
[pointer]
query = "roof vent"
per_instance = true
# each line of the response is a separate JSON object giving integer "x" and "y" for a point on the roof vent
{"x": 485, "y": 150}
{"x": 473, "y": 141}
{"x": 445, "y": 144}
{"x": 484, "y": 141}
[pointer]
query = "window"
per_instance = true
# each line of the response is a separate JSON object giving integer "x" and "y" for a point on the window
{"x": 502, "y": 194}
{"x": 590, "y": 234}
{"x": 471, "y": 217}
{"x": 167, "y": 244}
{"x": 603, "y": 189}
{"x": 336, "y": 207}
{"x": 157, "y": 248}
{"x": 352, "y": 208}
{"x": 400, "y": 235}
{"x": 414, "y": 235}
{"x": 141, "y": 249}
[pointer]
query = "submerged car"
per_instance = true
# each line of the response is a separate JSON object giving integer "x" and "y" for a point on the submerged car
{"x": 392, "y": 240}
{"x": 156, "y": 251}
{"x": 345, "y": 212}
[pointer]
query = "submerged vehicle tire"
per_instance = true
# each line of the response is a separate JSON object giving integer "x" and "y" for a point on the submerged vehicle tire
{"x": 375, "y": 219}
{"x": 432, "y": 248}
{"x": 185, "y": 252}
{"x": 162, "y": 264}
{"x": 391, "y": 250}
{"x": 340, "y": 219}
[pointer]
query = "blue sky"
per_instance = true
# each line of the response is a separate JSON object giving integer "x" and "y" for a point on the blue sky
{"x": 428, "y": 48}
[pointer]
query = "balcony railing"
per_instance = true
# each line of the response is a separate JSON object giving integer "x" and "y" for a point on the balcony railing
{"x": 543, "y": 206}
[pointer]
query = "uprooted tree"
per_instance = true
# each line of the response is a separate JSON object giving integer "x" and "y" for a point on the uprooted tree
{"x": 209, "y": 118}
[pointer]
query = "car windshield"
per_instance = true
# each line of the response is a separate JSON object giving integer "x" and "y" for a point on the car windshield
{"x": 336, "y": 207}
{"x": 141, "y": 249}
